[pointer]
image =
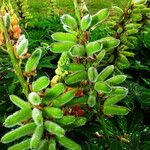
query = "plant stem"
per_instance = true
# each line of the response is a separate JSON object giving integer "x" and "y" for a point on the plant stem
{"x": 14, "y": 61}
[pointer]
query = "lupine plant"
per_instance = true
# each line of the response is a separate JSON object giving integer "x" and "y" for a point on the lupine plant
{"x": 83, "y": 90}
{"x": 125, "y": 25}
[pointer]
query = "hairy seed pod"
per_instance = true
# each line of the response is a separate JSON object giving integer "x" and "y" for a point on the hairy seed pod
{"x": 118, "y": 10}
{"x": 55, "y": 91}
{"x": 122, "y": 62}
{"x": 17, "y": 117}
{"x": 19, "y": 102}
{"x": 66, "y": 120}
{"x": 33, "y": 61}
{"x": 73, "y": 67}
{"x": 54, "y": 128}
{"x": 40, "y": 84}
{"x": 91, "y": 101}
{"x": 132, "y": 31}
{"x": 93, "y": 47}
{"x": 117, "y": 90}
{"x": 60, "y": 47}
{"x": 86, "y": 22}
{"x": 18, "y": 133}
{"x": 37, "y": 117}
{"x": 92, "y": 74}
{"x": 63, "y": 99}
{"x": 115, "y": 110}
{"x": 52, "y": 144}
{"x": 64, "y": 37}
{"x": 140, "y": 2}
{"x": 116, "y": 80}
{"x": 99, "y": 58}
{"x": 25, "y": 145}
{"x": 36, "y": 137}
{"x": 76, "y": 77}
{"x": 53, "y": 112}
{"x": 69, "y": 21}
{"x": 34, "y": 98}
{"x": 68, "y": 143}
{"x": 102, "y": 87}
{"x": 105, "y": 73}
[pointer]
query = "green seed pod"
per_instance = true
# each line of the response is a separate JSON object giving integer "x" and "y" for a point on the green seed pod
{"x": 120, "y": 30}
{"x": 64, "y": 37}
{"x": 86, "y": 22}
{"x": 132, "y": 31}
{"x": 25, "y": 145}
{"x": 37, "y": 117}
{"x": 105, "y": 73}
{"x": 76, "y": 77}
{"x": 136, "y": 17}
{"x": 55, "y": 91}
{"x": 77, "y": 51}
{"x": 114, "y": 99}
{"x": 115, "y": 110}
{"x": 102, "y": 87}
{"x": 21, "y": 38}
{"x": 63, "y": 99}
{"x": 91, "y": 101}
{"x": 19, "y": 102}
{"x": 33, "y": 61}
{"x": 66, "y": 120}
{"x": 69, "y": 21}
{"x": 54, "y": 128}
{"x": 18, "y": 133}
{"x": 22, "y": 48}
{"x": 40, "y": 84}
{"x": 36, "y": 137}
{"x": 60, "y": 47}
{"x": 7, "y": 21}
{"x": 116, "y": 80}
{"x": 92, "y": 74}
{"x": 34, "y": 99}
{"x": 93, "y": 47}
{"x": 117, "y": 90}
{"x": 109, "y": 42}
{"x": 52, "y": 144}
{"x": 68, "y": 143}
{"x": 43, "y": 145}
{"x": 99, "y": 58}
{"x": 118, "y": 10}
{"x": 140, "y": 2}
{"x": 53, "y": 112}
{"x": 145, "y": 10}
{"x": 122, "y": 62}
{"x": 140, "y": 6}
{"x": 80, "y": 121}
{"x": 73, "y": 67}
{"x": 100, "y": 16}
{"x": 17, "y": 117}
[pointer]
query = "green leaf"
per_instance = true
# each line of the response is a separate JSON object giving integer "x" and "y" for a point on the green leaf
{"x": 100, "y": 16}
{"x": 76, "y": 77}
{"x": 105, "y": 73}
{"x": 18, "y": 133}
{"x": 24, "y": 145}
{"x": 117, "y": 90}
{"x": 77, "y": 51}
{"x": 91, "y": 101}
{"x": 115, "y": 110}
{"x": 54, "y": 128}
{"x": 40, "y": 84}
{"x": 37, "y": 116}
{"x": 140, "y": 1}
{"x": 43, "y": 145}
{"x": 116, "y": 80}
{"x": 109, "y": 42}
{"x": 60, "y": 47}
{"x": 80, "y": 121}
{"x": 34, "y": 98}
{"x": 69, "y": 21}
{"x": 36, "y": 137}
{"x": 86, "y": 22}
{"x": 73, "y": 67}
{"x": 52, "y": 144}
{"x": 19, "y": 102}
{"x": 68, "y": 143}
{"x": 55, "y": 91}
{"x": 66, "y": 120}
{"x": 93, "y": 47}
{"x": 92, "y": 74}
{"x": 64, "y": 37}
{"x": 7, "y": 20}
{"x": 33, "y": 61}
{"x": 63, "y": 99}
{"x": 102, "y": 87}
{"x": 17, "y": 117}
{"x": 122, "y": 62}
{"x": 53, "y": 112}
{"x": 99, "y": 58}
